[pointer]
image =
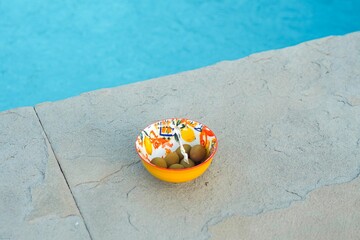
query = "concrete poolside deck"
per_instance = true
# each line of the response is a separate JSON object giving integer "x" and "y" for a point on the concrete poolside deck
{"x": 288, "y": 164}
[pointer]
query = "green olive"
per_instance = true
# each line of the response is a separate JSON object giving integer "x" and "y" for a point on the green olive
{"x": 176, "y": 166}
{"x": 197, "y": 153}
{"x": 187, "y": 165}
{"x": 187, "y": 148}
{"x": 172, "y": 158}
{"x": 160, "y": 162}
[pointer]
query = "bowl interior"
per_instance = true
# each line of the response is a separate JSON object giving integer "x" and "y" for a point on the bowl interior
{"x": 160, "y": 138}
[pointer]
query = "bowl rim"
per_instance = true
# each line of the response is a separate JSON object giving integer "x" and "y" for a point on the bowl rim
{"x": 182, "y": 169}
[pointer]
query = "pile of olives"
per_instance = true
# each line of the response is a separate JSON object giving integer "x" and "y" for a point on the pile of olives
{"x": 175, "y": 160}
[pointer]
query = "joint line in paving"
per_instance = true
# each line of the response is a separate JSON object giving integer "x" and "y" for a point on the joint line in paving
{"x": 62, "y": 172}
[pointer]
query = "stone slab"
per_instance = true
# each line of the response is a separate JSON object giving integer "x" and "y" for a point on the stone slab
{"x": 287, "y": 123}
{"x": 329, "y": 213}
{"x": 35, "y": 201}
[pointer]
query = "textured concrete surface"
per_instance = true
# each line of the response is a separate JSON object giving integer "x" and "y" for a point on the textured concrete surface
{"x": 35, "y": 201}
{"x": 287, "y": 123}
{"x": 328, "y": 213}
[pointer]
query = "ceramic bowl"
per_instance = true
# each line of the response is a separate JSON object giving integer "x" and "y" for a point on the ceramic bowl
{"x": 160, "y": 138}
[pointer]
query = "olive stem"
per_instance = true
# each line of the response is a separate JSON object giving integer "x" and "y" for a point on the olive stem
{"x": 182, "y": 149}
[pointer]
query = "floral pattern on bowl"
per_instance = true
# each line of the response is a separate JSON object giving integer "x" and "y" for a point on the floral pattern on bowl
{"x": 160, "y": 138}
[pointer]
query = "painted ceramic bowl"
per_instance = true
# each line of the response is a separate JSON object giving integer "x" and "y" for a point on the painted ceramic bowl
{"x": 160, "y": 138}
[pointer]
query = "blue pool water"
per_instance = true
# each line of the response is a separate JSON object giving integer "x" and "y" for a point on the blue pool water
{"x": 51, "y": 50}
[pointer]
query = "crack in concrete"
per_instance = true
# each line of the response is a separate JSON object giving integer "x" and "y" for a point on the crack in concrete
{"x": 294, "y": 193}
{"x": 130, "y": 222}
{"x": 214, "y": 221}
{"x": 355, "y": 177}
{"x": 12, "y": 156}
{"x": 205, "y": 227}
{"x": 279, "y": 151}
{"x": 105, "y": 178}
{"x": 62, "y": 172}
{"x": 266, "y": 84}
{"x": 343, "y": 100}
{"x": 132, "y": 189}
{"x": 219, "y": 218}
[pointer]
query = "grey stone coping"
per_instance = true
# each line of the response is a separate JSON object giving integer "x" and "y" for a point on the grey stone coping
{"x": 331, "y": 212}
{"x": 35, "y": 201}
{"x": 287, "y": 122}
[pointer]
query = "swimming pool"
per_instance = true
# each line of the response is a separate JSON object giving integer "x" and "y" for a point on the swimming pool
{"x": 62, "y": 48}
